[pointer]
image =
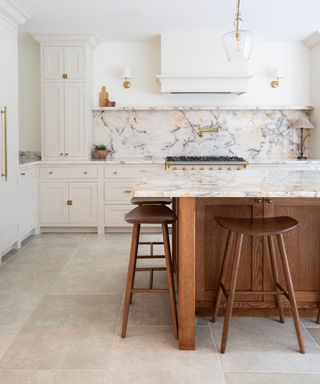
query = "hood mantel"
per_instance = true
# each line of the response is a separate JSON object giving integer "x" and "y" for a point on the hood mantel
{"x": 195, "y": 62}
{"x": 235, "y": 83}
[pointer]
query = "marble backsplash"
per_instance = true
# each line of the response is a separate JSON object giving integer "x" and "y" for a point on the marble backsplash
{"x": 250, "y": 134}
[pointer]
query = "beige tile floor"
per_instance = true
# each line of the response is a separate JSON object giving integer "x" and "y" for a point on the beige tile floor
{"x": 60, "y": 317}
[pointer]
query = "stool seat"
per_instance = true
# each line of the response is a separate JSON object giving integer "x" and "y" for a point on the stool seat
{"x": 151, "y": 200}
{"x": 258, "y": 227}
{"x": 151, "y": 214}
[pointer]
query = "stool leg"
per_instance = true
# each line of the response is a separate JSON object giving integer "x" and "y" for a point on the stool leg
{"x": 223, "y": 273}
{"x": 291, "y": 294}
{"x": 232, "y": 291}
{"x": 275, "y": 276}
{"x": 318, "y": 319}
{"x": 170, "y": 279}
{"x": 130, "y": 277}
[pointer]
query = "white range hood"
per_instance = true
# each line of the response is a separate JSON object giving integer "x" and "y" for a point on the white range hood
{"x": 195, "y": 62}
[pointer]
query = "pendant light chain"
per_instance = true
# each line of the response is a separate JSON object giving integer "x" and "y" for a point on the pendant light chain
{"x": 238, "y": 14}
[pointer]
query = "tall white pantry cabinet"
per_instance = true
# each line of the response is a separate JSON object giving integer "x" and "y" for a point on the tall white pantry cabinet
{"x": 10, "y": 17}
{"x": 66, "y": 61}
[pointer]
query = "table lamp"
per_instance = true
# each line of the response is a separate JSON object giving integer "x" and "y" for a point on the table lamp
{"x": 302, "y": 123}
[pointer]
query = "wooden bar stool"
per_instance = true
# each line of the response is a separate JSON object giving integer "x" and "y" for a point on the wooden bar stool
{"x": 269, "y": 227}
{"x": 150, "y": 214}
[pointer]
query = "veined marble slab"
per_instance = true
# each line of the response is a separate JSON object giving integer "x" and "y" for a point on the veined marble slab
{"x": 251, "y": 134}
{"x": 244, "y": 183}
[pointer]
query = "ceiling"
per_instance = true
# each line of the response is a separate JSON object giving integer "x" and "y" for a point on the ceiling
{"x": 144, "y": 20}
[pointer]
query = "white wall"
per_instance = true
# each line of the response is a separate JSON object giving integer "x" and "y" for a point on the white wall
{"x": 29, "y": 94}
{"x": 144, "y": 62}
{"x": 315, "y": 100}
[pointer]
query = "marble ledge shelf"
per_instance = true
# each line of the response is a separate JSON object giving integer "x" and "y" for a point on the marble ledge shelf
{"x": 203, "y": 108}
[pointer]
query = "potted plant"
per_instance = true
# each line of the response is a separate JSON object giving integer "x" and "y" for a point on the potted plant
{"x": 99, "y": 152}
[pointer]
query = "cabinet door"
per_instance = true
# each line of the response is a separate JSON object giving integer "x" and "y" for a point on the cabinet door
{"x": 303, "y": 247}
{"x": 84, "y": 200}
{"x": 53, "y": 120}
{"x": 52, "y": 63}
{"x": 9, "y": 142}
{"x": 27, "y": 201}
{"x": 210, "y": 244}
{"x": 74, "y": 63}
{"x": 53, "y": 203}
{"x": 75, "y": 113}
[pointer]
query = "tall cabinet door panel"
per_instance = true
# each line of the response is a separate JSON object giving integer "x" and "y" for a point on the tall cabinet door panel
{"x": 53, "y": 203}
{"x": 74, "y": 63}
{"x": 53, "y": 120}
{"x": 52, "y": 63}
{"x": 75, "y": 120}
{"x": 84, "y": 208}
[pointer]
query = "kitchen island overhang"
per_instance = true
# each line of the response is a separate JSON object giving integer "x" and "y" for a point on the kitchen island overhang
{"x": 200, "y": 196}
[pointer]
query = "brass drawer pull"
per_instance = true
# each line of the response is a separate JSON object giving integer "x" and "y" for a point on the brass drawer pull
{"x": 22, "y": 174}
{"x": 127, "y": 191}
{"x": 69, "y": 202}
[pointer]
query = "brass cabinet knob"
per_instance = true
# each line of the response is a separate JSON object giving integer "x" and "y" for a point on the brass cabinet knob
{"x": 50, "y": 172}
{"x": 22, "y": 174}
{"x": 270, "y": 201}
{"x": 61, "y": 154}
{"x": 67, "y": 154}
{"x": 115, "y": 172}
{"x": 259, "y": 201}
{"x": 64, "y": 75}
{"x": 201, "y": 169}
{"x": 69, "y": 202}
{"x": 85, "y": 172}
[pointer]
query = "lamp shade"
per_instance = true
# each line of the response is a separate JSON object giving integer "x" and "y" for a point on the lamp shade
{"x": 303, "y": 122}
{"x": 126, "y": 73}
{"x": 239, "y": 46}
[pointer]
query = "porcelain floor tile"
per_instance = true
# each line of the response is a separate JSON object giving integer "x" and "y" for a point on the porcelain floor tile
{"x": 315, "y": 333}
{"x": 265, "y": 345}
{"x": 150, "y": 355}
{"x": 274, "y": 378}
{"x": 26, "y": 377}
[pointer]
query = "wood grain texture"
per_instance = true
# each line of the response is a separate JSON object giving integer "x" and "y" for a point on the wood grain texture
{"x": 187, "y": 209}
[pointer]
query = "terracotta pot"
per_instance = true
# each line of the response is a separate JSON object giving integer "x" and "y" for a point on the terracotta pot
{"x": 100, "y": 154}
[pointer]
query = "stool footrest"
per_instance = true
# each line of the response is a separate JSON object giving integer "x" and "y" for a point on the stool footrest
{"x": 281, "y": 292}
{"x": 150, "y": 242}
{"x": 151, "y": 257}
{"x": 155, "y": 290}
{"x": 148, "y": 269}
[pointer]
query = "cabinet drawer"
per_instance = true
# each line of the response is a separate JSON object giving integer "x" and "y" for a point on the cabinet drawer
{"x": 114, "y": 215}
{"x": 128, "y": 171}
{"x": 81, "y": 172}
{"x": 118, "y": 191}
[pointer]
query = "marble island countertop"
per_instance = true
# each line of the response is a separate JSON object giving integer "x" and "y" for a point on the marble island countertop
{"x": 244, "y": 183}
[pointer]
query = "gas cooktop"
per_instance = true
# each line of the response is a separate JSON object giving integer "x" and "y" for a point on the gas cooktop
{"x": 201, "y": 159}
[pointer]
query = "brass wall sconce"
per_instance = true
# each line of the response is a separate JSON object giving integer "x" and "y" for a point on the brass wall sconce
{"x": 276, "y": 73}
{"x": 126, "y": 75}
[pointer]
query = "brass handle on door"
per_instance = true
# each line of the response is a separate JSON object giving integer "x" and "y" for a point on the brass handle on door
{"x": 5, "y": 139}
{"x": 69, "y": 202}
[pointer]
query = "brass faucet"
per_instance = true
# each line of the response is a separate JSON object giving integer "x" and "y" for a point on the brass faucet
{"x": 202, "y": 130}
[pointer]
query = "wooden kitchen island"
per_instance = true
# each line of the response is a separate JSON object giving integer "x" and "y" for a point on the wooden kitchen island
{"x": 201, "y": 196}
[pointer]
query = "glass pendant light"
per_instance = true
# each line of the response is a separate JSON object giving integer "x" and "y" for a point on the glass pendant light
{"x": 238, "y": 43}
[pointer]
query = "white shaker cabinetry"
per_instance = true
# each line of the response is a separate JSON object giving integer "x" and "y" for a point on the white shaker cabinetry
{"x": 69, "y": 196}
{"x": 66, "y": 95}
{"x": 28, "y": 201}
{"x": 10, "y": 18}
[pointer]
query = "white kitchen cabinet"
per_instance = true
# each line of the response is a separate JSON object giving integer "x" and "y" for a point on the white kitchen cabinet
{"x": 28, "y": 201}
{"x": 64, "y": 121}
{"x": 54, "y": 203}
{"x": 66, "y": 62}
{"x": 83, "y": 198}
{"x": 53, "y": 67}
{"x": 10, "y": 18}
{"x": 53, "y": 136}
{"x": 75, "y": 120}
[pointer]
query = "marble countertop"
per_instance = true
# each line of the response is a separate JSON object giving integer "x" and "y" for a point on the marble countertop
{"x": 244, "y": 183}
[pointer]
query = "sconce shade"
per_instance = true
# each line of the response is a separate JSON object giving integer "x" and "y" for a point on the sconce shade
{"x": 239, "y": 46}
{"x": 303, "y": 122}
{"x": 126, "y": 74}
